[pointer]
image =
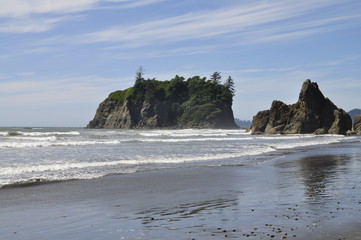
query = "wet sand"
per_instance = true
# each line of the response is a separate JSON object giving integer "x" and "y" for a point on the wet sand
{"x": 308, "y": 195}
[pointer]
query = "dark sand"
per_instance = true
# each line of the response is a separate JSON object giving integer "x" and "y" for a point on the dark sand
{"x": 307, "y": 195}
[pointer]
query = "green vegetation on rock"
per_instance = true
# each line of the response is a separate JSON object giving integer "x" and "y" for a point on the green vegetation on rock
{"x": 195, "y": 102}
{"x": 121, "y": 96}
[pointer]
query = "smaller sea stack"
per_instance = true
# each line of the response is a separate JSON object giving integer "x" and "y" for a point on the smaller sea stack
{"x": 313, "y": 113}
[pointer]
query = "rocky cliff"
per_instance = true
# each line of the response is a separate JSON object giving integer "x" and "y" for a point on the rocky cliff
{"x": 354, "y": 112}
{"x": 357, "y": 124}
{"x": 313, "y": 113}
{"x": 195, "y": 103}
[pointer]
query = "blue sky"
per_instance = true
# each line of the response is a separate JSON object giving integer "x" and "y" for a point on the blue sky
{"x": 60, "y": 59}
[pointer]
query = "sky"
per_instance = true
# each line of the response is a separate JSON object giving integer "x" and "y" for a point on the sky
{"x": 60, "y": 59}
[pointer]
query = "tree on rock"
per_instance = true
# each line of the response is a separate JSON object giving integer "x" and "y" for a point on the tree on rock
{"x": 216, "y": 77}
{"x": 139, "y": 75}
{"x": 229, "y": 84}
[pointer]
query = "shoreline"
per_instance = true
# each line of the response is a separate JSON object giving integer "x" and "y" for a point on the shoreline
{"x": 268, "y": 156}
{"x": 304, "y": 195}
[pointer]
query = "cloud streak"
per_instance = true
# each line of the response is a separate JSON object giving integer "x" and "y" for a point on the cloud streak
{"x": 134, "y": 4}
{"x": 24, "y": 16}
{"x": 33, "y": 25}
{"x": 259, "y": 22}
{"x": 237, "y": 24}
{"x": 53, "y": 90}
{"x": 21, "y": 8}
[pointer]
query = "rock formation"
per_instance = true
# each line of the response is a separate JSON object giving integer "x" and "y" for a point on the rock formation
{"x": 353, "y": 113}
{"x": 357, "y": 124}
{"x": 313, "y": 113}
{"x": 149, "y": 104}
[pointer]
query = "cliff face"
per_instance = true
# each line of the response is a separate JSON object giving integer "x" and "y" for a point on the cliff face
{"x": 174, "y": 104}
{"x": 313, "y": 113}
{"x": 357, "y": 124}
{"x": 354, "y": 112}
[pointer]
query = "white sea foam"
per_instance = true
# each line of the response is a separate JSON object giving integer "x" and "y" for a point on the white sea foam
{"x": 54, "y": 167}
{"x": 63, "y": 166}
{"x": 204, "y": 139}
{"x": 48, "y": 133}
{"x": 285, "y": 137}
{"x": 21, "y": 138}
{"x": 32, "y": 144}
{"x": 201, "y": 158}
{"x": 191, "y": 133}
{"x": 23, "y": 133}
{"x": 51, "y": 155}
{"x": 317, "y": 141}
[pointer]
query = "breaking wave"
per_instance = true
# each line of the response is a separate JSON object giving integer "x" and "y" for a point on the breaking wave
{"x": 32, "y": 156}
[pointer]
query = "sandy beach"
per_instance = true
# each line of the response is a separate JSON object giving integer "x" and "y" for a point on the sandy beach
{"x": 313, "y": 194}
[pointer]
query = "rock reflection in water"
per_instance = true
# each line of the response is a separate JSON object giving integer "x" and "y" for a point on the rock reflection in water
{"x": 320, "y": 172}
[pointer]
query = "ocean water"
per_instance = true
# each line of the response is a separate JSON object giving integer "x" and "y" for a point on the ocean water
{"x": 29, "y": 155}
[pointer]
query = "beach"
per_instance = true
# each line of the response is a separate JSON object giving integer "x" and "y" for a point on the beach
{"x": 311, "y": 194}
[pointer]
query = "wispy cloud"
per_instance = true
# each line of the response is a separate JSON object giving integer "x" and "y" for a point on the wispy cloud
{"x": 26, "y": 25}
{"x": 134, "y": 4}
{"x": 47, "y": 90}
{"x": 234, "y": 24}
{"x": 52, "y": 100}
{"x": 265, "y": 70}
{"x": 336, "y": 62}
{"x": 159, "y": 53}
{"x": 261, "y": 21}
{"x": 25, "y": 73}
{"x": 293, "y": 71}
{"x": 21, "y": 8}
{"x": 289, "y": 31}
{"x": 24, "y": 16}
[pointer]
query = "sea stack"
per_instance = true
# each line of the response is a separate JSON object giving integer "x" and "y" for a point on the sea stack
{"x": 178, "y": 103}
{"x": 313, "y": 113}
{"x": 357, "y": 124}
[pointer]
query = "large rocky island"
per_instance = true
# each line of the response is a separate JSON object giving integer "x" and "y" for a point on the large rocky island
{"x": 178, "y": 103}
{"x": 313, "y": 113}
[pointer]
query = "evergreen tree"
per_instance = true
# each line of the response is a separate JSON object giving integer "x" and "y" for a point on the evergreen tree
{"x": 216, "y": 77}
{"x": 139, "y": 75}
{"x": 229, "y": 84}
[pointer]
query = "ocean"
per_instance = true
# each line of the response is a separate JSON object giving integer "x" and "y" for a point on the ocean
{"x": 33, "y": 155}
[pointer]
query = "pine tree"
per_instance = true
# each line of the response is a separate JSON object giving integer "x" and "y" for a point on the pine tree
{"x": 229, "y": 84}
{"x": 139, "y": 75}
{"x": 216, "y": 77}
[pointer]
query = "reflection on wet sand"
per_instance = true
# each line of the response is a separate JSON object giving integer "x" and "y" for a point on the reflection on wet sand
{"x": 183, "y": 211}
{"x": 319, "y": 172}
{"x": 331, "y": 187}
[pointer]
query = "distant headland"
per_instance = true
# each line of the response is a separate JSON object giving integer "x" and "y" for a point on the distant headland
{"x": 197, "y": 102}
